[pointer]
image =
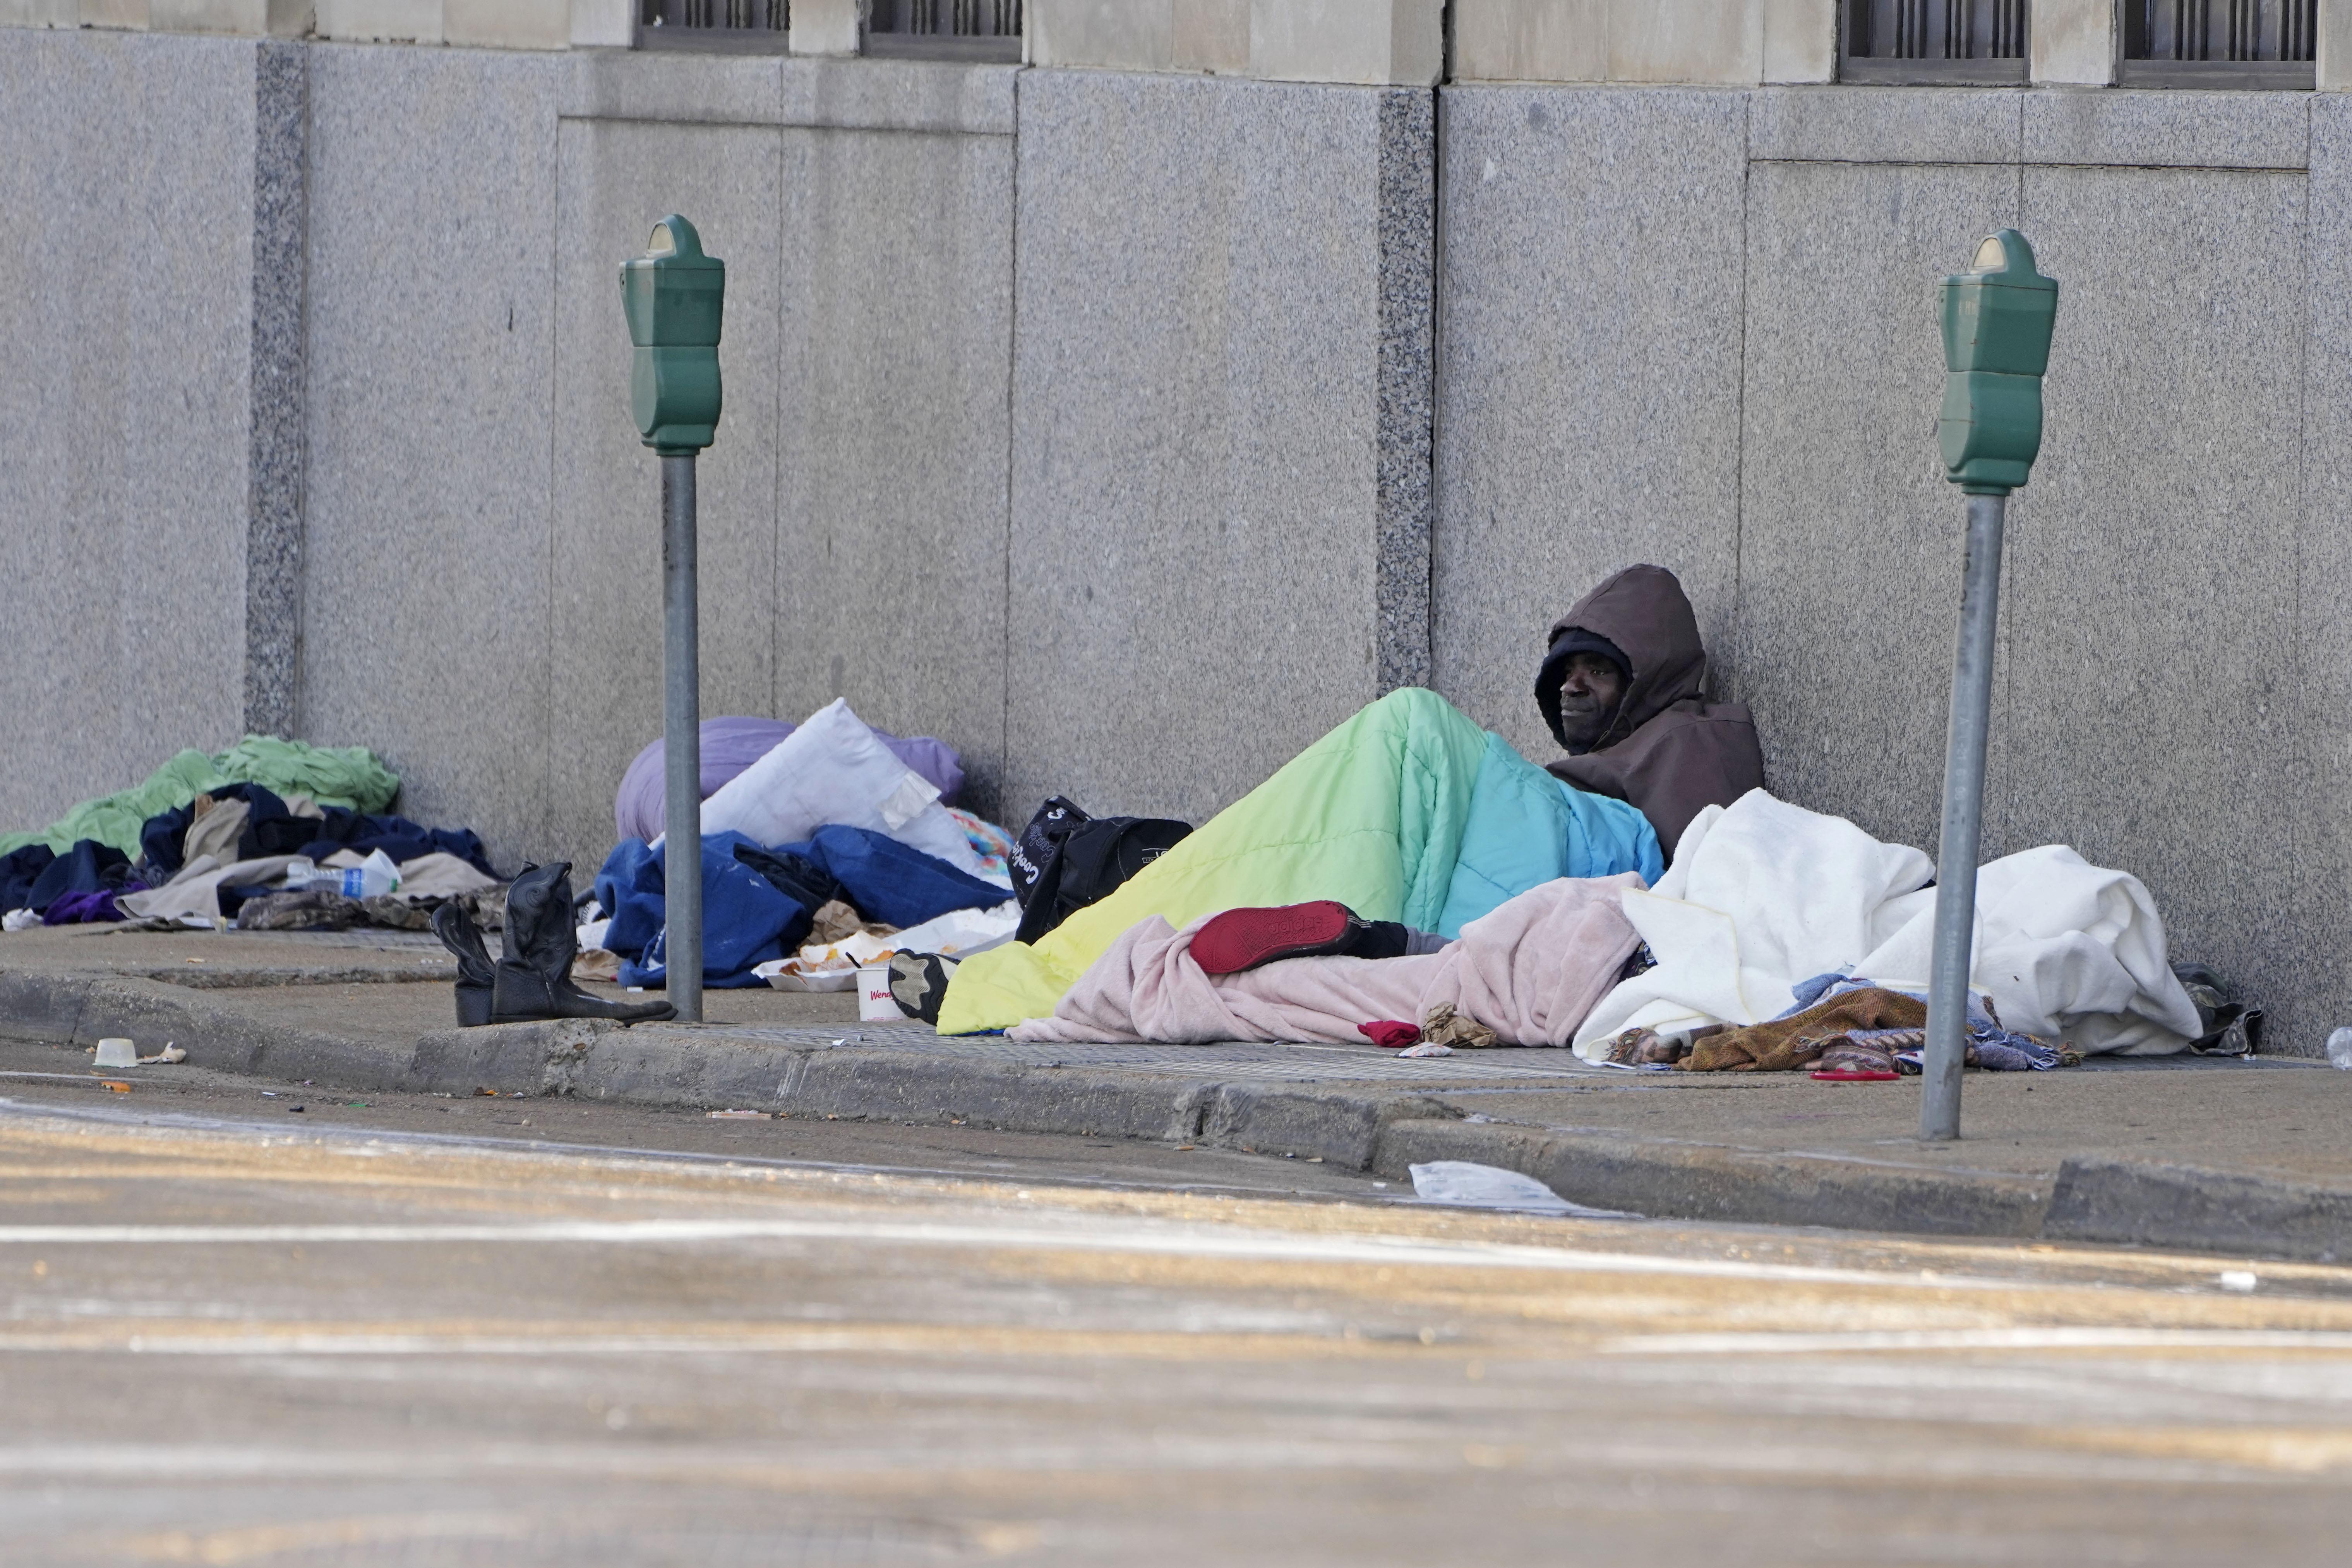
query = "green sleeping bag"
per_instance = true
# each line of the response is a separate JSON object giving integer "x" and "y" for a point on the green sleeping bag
{"x": 1408, "y": 812}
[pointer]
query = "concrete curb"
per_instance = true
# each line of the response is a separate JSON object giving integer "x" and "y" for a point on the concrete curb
{"x": 2181, "y": 1206}
{"x": 79, "y": 1009}
{"x": 1740, "y": 1186}
{"x": 1357, "y": 1125}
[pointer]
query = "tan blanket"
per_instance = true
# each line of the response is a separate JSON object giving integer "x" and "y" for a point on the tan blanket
{"x": 1530, "y": 971}
{"x": 1785, "y": 1045}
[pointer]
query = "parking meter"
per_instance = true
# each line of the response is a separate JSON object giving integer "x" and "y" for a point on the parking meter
{"x": 674, "y": 297}
{"x": 1998, "y": 317}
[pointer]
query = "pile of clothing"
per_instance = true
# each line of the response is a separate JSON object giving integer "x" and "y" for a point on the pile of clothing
{"x": 220, "y": 836}
{"x": 347, "y": 776}
{"x": 831, "y": 833}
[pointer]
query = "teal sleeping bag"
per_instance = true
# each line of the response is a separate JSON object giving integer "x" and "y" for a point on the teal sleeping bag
{"x": 1408, "y": 811}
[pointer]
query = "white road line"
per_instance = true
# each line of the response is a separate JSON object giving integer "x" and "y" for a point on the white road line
{"x": 1240, "y": 1245}
{"x": 818, "y": 1339}
{"x": 800, "y": 1341}
{"x": 2020, "y": 1338}
{"x": 356, "y": 1138}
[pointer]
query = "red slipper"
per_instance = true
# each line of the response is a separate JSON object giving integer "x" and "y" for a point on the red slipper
{"x": 1244, "y": 939}
{"x": 1854, "y": 1075}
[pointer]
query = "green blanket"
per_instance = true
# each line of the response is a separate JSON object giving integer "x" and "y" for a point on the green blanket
{"x": 1408, "y": 812}
{"x": 330, "y": 775}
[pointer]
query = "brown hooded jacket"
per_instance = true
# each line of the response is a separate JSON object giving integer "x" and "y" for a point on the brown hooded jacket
{"x": 1668, "y": 750}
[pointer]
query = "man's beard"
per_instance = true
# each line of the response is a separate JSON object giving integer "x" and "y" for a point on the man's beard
{"x": 1581, "y": 723}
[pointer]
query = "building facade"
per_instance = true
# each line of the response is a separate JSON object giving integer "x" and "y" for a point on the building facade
{"x": 1125, "y": 390}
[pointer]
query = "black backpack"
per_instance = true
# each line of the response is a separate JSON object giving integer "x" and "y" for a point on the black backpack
{"x": 1067, "y": 860}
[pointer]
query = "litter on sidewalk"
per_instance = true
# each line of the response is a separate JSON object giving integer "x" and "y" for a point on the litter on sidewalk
{"x": 1465, "y": 1184}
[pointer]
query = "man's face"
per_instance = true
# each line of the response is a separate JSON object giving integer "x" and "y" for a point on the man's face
{"x": 1587, "y": 699}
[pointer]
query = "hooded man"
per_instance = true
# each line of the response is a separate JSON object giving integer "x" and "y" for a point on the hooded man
{"x": 1620, "y": 686}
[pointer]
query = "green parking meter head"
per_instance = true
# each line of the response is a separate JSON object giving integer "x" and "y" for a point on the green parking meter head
{"x": 1998, "y": 317}
{"x": 674, "y": 297}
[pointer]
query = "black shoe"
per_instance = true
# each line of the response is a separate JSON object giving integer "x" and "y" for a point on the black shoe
{"x": 459, "y": 933}
{"x": 918, "y": 984}
{"x": 533, "y": 981}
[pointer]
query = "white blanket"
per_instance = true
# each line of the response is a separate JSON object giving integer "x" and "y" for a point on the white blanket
{"x": 833, "y": 769}
{"x": 1766, "y": 894}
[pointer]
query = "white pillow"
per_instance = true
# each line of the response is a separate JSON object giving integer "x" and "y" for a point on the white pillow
{"x": 833, "y": 771}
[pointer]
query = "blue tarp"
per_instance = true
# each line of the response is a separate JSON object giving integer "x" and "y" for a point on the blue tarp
{"x": 746, "y": 921}
{"x": 892, "y": 883}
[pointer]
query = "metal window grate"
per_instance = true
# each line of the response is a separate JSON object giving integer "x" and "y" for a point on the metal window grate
{"x": 756, "y": 26}
{"x": 945, "y": 29}
{"x": 2220, "y": 42}
{"x": 1934, "y": 41}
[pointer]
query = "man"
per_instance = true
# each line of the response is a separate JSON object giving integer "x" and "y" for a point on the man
{"x": 1620, "y": 686}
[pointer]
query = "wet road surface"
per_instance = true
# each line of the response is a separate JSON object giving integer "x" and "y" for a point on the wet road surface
{"x": 232, "y": 1336}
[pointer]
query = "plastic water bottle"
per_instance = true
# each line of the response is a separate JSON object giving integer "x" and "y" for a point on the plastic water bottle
{"x": 371, "y": 877}
{"x": 2339, "y": 1049}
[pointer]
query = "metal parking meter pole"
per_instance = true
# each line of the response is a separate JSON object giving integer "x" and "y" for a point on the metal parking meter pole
{"x": 1997, "y": 318}
{"x": 675, "y": 299}
{"x": 681, "y": 738}
{"x": 1956, "y": 861}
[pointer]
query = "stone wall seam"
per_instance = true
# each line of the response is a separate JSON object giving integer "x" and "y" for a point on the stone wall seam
{"x": 1891, "y": 163}
{"x": 1012, "y": 454}
{"x": 2021, "y": 167}
{"x": 1407, "y": 376}
{"x": 744, "y": 122}
{"x": 546, "y": 827}
{"x": 275, "y": 436}
{"x": 2302, "y": 766}
{"x": 1718, "y": 685}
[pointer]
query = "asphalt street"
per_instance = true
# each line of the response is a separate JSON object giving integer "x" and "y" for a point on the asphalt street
{"x": 417, "y": 1333}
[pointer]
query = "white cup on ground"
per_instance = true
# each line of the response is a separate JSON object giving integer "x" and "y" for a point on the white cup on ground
{"x": 118, "y": 1053}
{"x": 874, "y": 1003}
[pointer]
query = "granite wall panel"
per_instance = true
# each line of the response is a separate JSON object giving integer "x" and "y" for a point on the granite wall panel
{"x": 891, "y": 453}
{"x": 616, "y": 179}
{"x": 426, "y": 556}
{"x": 1195, "y": 392}
{"x": 2156, "y": 688}
{"x": 1849, "y": 539}
{"x": 2317, "y": 802}
{"x": 1589, "y": 375}
{"x": 126, "y": 303}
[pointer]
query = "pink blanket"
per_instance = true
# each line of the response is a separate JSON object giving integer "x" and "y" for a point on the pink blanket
{"x": 1530, "y": 971}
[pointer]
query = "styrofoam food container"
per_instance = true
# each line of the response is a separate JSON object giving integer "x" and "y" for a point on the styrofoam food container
{"x": 874, "y": 1003}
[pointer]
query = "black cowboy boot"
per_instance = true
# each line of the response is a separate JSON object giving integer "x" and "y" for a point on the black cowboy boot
{"x": 533, "y": 981}
{"x": 459, "y": 933}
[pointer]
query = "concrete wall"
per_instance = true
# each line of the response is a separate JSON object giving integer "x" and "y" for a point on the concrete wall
{"x": 1198, "y": 518}
{"x": 426, "y": 571}
{"x": 1721, "y": 43}
{"x": 1699, "y": 328}
{"x": 482, "y": 596}
{"x": 128, "y": 472}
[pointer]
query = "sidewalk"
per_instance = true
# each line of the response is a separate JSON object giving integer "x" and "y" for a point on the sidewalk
{"x": 2238, "y": 1157}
